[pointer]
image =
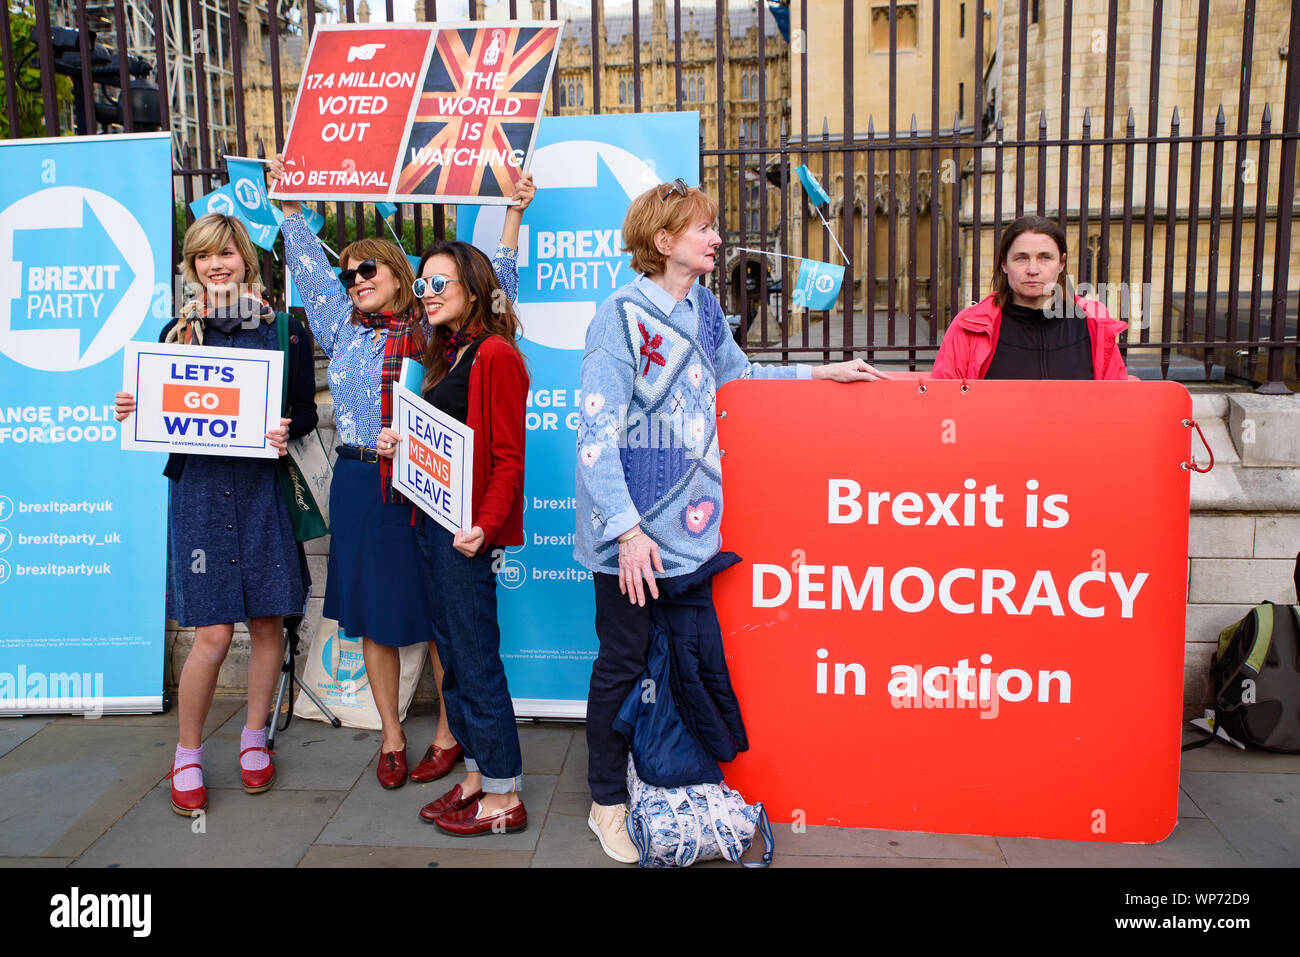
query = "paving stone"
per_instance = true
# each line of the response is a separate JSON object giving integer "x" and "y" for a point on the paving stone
{"x": 573, "y": 777}
{"x": 800, "y": 861}
{"x": 372, "y": 816}
{"x": 309, "y": 756}
{"x": 35, "y": 861}
{"x": 566, "y": 841}
{"x": 351, "y": 855}
{"x": 545, "y": 746}
{"x": 273, "y": 829}
{"x": 14, "y": 731}
{"x": 865, "y": 842}
{"x": 1187, "y": 807}
{"x": 1195, "y": 842}
{"x": 1259, "y": 814}
{"x": 41, "y": 816}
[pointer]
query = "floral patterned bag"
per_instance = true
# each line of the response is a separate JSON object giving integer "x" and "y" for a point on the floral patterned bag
{"x": 675, "y": 827}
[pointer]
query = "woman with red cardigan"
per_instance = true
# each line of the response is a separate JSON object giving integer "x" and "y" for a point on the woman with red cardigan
{"x": 475, "y": 373}
{"x": 1024, "y": 330}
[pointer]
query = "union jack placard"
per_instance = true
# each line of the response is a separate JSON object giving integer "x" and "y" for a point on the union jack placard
{"x": 364, "y": 128}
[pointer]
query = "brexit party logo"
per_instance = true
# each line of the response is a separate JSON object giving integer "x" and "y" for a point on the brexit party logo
{"x": 78, "y": 273}
{"x": 570, "y": 264}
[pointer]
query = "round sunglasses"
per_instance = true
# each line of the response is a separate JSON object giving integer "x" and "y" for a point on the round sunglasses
{"x": 434, "y": 285}
{"x": 365, "y": 269}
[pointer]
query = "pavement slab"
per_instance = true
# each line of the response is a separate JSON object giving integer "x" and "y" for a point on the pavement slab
{"x": 1259, "y": 814}
{"x": 371, "y": 816}
{"x": 272, "y": 829}
{"x": 354, "y": 855}
{"x": 309, "y": 756}
{"x": 862, "y": 842}
{"x": 1194, "y": 843}
{"x": 111, "y": 765}
{"x": 14, "y": 731}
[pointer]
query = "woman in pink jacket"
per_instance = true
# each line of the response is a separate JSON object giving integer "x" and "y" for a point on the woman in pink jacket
{"x": 1025, "y": 329}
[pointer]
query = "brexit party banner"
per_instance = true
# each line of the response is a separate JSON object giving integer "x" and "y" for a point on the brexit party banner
{"x": 418, "y": 112}
{"x": 936, "y": 628}
{"x": 434, "y": 464}
{"x": 202, "y": 400}
{"x": 85, "y": 247}
{"x": 588, "y": 169}
{"x": 817, "y": 284}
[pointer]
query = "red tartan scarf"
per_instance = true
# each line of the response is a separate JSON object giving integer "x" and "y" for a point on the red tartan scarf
{"x": 405, "y": 340}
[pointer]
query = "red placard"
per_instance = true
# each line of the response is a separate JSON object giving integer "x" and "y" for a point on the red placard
{"x": 418, "y": 112}
{"x": 961, "y": 607}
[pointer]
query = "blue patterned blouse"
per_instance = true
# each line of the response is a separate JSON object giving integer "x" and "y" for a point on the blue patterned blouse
{"x": 355, "y": 356}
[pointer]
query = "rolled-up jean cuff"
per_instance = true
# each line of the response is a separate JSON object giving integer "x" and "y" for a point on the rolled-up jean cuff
{"x": 495, "y": 785}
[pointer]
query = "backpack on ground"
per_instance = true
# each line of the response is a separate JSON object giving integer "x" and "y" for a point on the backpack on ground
{"x": 675, "y": 827}
{"x": 1255, "y": 675}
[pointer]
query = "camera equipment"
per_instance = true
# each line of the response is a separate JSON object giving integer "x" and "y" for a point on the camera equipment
{"x": 146, "y": 109}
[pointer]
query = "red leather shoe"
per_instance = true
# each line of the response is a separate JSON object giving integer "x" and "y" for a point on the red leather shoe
{"x": 255, "y": 782}
{"x": 453, "y": 800}
{"x": 467, "y": 823}
{"x": 437, "y": 763}
{"x": 392, "y": 768}
{"x": 186, "y": 803}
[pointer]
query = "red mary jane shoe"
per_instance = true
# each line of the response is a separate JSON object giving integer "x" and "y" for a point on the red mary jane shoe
{"x": 186, "y": 803}
{"x": 255, "y": 782}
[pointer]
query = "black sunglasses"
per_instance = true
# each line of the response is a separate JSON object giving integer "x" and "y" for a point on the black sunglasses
{"x": 365, "y": 269}
{"x": 677, "y": 186}
{"x": 434, "y": 284}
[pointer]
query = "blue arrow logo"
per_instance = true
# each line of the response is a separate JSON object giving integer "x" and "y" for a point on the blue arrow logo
{"x": 72, "y": 278}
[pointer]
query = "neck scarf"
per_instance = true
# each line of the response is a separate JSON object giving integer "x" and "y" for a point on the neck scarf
{"x": 453, "y": 342}
{"x": 195, "y": 316}
{"x": 405, "y": 340}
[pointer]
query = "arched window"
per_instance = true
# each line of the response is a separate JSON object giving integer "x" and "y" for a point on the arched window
{"x": 702, "y": 89}
{"x": 622, "y": 91}
{"x": 564, "y": 99}
{"x": 580, "y": 98}
{"x": 744, "y": 86}
{"x": 572, "y": 100}
{"x": 692, "y": 94}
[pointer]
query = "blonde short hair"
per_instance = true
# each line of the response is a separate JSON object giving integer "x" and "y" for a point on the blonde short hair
{"x": 392, "y": 256}
{"x": 649, "y": 213}
{"x": 210, "y": 234}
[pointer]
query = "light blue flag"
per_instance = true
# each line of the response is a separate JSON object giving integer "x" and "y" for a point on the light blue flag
{"x": 811, "y": 186}
{"x": 818, "y": 284}
{"x": 415, "y": 263}
{"x": 248, "y": 187}
{"x": 223, "y": 201}
{"x": 386, "y": 210}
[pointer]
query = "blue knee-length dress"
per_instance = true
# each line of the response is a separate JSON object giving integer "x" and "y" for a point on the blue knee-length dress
{"x": 231, "y": 551}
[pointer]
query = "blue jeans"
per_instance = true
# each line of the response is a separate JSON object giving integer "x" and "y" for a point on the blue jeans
{"x": 463, "y": 598}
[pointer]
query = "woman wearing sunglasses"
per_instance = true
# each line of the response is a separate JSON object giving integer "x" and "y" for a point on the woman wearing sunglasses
{"x": 474, "y": 372}
{"x": 659, "y": 348}
{"x": 367, "y": 322}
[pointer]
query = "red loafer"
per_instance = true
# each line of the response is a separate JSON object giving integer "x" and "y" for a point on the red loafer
{"x": 186, "y": 803}
{"x": 467, "y": 823}
{"x": 255, "y": 782}
{"x": 437, "y": 763}
{"x": 392, "y": 769}
{"x": 453, "y": 800}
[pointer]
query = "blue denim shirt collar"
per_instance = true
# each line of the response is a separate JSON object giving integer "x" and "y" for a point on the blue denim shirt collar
{"x": 661, "y": 299}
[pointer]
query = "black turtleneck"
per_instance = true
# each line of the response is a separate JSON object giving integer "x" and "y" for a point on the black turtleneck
{"x": 1034, "y": 344}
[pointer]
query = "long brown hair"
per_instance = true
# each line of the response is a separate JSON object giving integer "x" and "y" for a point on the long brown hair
{"x": 1029, "y": 224}
{"x": 392, "y": 256}
{"x": 490, "y": 311}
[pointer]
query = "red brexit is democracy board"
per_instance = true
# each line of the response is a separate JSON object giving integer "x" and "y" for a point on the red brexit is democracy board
{"x": 418, "y": 112}
{"x": 961, "y": 607}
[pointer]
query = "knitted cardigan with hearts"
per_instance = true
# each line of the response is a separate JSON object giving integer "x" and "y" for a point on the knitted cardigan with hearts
{"x": 647, "y": 433}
